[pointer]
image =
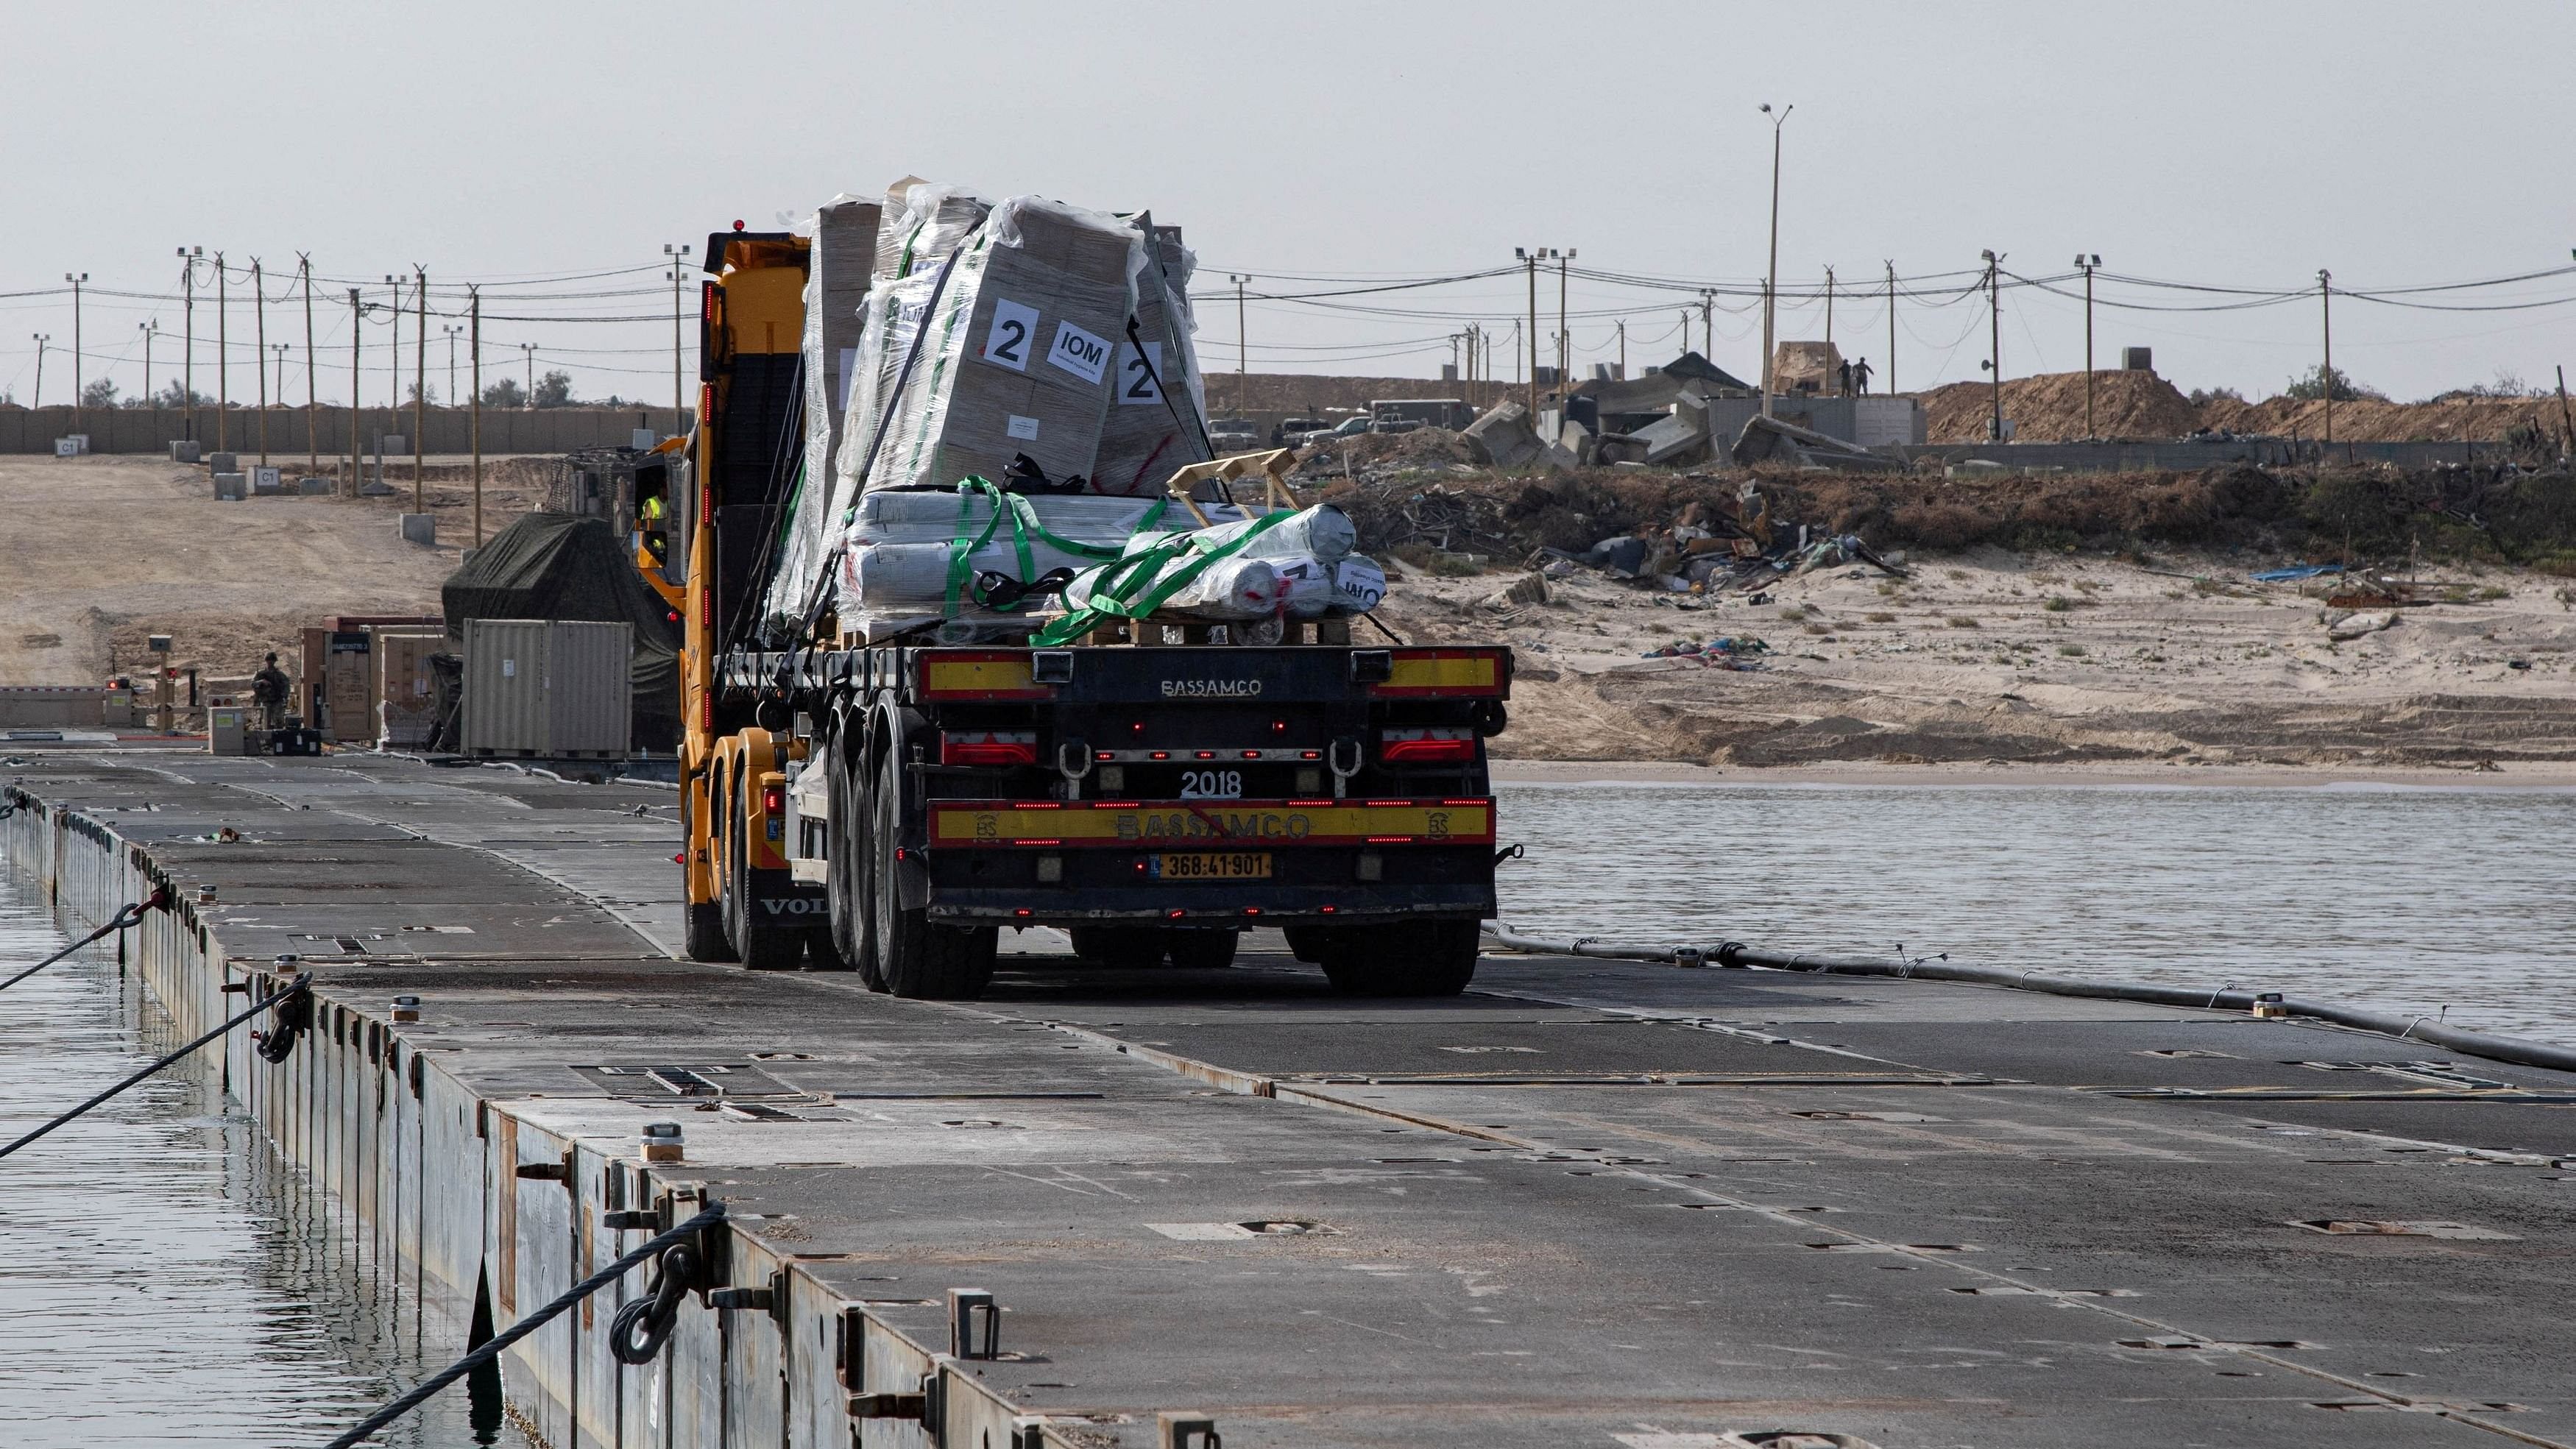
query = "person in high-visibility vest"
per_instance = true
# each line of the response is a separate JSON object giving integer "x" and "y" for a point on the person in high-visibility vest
{"x": 656, "y": 537}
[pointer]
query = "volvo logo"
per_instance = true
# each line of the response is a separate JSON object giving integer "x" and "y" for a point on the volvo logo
{"x": 797, "y": 906}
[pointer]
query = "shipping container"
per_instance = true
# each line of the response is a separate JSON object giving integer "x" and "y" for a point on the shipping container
{"x": 547, "y": 688}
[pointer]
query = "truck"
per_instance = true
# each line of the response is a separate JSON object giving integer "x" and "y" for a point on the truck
{"x": 888, "y": 807}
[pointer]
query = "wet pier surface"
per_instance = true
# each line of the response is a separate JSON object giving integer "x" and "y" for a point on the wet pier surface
{"x": 1586, "y": 1203}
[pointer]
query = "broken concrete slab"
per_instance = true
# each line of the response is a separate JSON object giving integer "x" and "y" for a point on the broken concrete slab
{"x": 1681, "y": 438}
{"x": 2354, "y": 626}
{"x": 1503, "y": 438}
{"x": 1769, "y": 440}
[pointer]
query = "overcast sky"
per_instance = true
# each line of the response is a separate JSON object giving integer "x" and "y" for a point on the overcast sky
{"x": 2228, "y": 144}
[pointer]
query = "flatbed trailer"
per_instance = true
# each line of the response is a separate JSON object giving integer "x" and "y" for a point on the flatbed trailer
{"x": 1154, "y": 801}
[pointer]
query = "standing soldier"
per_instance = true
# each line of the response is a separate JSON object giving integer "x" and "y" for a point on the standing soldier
{"x": 270, "y": 689}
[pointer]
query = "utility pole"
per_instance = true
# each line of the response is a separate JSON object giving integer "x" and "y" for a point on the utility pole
{"x": 419, "y": 382}
{"x": 2326, "y": 373}
{"x": 1242, "y": 346}
{"x": 451, "y": 329}
{"x": 259, "y": 326}
{"x": 679, "y": 257}
{"x": 1995, "y": 339}
{"x": 1891, "y": 326}
{"x": 282, "y": 349}
{"x": 357, "y": 316}
{"x": 1771, "y": 278}
{"x": 79, "y": 404}
{"x": 2086, "y": 264}
{"x": 474, "y": 350}
{"x": 1564, "y": 339}
{"x": 41, "y": 339}
{"x": 1529, "y": 259}
{"x": 393, "y": 366}
{"x": 1829, "y": 307}
{"x": 188, "y": 368}
{"x": 223, "y": 362}
{"x": 1707, "y": 325}
{"x": 148, "y": 329}
{"x": 1623, "y": 349}
{"x": 312, "y": 408}
{"x": 529, "y": 351}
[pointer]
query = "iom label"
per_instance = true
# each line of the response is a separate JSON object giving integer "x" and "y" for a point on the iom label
{"x": 1079, "y": 353}
{"x": 1138, "y": 377}
{"x": 1013, "y": 333}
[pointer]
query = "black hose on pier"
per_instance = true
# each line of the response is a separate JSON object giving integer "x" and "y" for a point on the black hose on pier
{"x": 301, "y": 988}
{"x": 685, "y": 1234}
{"x": 159, "y": 900}
{"x": 1736, "y": 953}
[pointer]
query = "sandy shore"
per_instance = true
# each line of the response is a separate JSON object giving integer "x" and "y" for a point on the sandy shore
{"x": 2036, "y": 775}
{"x": 1990, "y": 665}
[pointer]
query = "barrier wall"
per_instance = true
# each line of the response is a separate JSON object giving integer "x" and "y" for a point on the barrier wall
{"x": 444, "y": 430}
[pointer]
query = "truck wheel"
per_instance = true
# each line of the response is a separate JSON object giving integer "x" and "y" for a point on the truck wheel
{"x": 917, "y": 957}
{"x": 1201, "y": 950}
{"x": 1129, "y": 948}
{"x": 835, "y": 947}
{"x": 1416, "y": 958}
{"x": 702, "y": 936}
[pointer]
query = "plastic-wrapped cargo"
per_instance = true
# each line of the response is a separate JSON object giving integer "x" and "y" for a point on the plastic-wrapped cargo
{"x": 915, "y": 557}
{"x": 1016, "y": 353}
{"x": 1293, "y": 563}
{"x": 922, "y": 224}
{"x": 1155, "y": 422}
{"x": 837, "y": 281}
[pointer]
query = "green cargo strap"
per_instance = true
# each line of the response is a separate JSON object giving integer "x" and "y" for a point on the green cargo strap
{"x": 1142, "y": 572}
{"x": 1024, "y": 526}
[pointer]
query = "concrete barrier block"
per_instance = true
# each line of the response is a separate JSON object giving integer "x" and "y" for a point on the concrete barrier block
{"x": 313, "y": 487}
{"x": 231, "y": 487}
{"x": 183, "y": 450}
{"x": 222, "y": 463}
{"x": 420, "y": 528}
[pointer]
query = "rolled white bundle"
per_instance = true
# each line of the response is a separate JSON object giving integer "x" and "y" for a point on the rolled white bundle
{"x": 1323, "y": 533}
{"x": 903, "y": 575}
{"x": 1316, "y": 588}
{"x": 931, "y": 516}
{"x": 1230, "y": 588}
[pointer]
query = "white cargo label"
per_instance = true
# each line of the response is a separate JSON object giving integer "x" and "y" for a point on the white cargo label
{"x": 1013, "y": 333}
{"x": 1025, "y": 429}
{"x": 509, "y": 669}
{"x": 1139, "y": 378}
{"x": 1079, "y": 353}
{"x": 849, "y": 368}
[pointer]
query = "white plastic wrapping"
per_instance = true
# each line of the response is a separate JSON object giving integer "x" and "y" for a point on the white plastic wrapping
{"x": 1316, "y": 588}
{"x": 1322, "y": 532}
{"x": 1230, "y": 588}
{"x": 1154, "y": 426}
{"x": 1017, "y": 353}
{"x": 844, "y": 235}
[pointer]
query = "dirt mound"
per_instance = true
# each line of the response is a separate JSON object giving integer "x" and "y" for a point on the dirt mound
{"x": 2483, "y": 420}
{"x": 2049, "y": 408}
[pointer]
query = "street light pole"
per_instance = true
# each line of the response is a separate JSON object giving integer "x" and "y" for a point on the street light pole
{"x": 1771, "y": 277}
{"x": 2086, "y": 264}
{"x": 1564, "y": 339}
{"x": 223, "y": 363}
{"x": 147, "y": 329}
{"x": 1529, "y": 258}
{"x": 679, "y": 256}
{"x": 1242, "y": 347}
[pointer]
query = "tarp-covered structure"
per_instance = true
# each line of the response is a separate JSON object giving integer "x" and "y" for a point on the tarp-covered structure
{"x": 561, "y": 566}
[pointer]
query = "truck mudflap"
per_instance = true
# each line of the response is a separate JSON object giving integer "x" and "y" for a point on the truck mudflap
{"x": 1220, "y": 824}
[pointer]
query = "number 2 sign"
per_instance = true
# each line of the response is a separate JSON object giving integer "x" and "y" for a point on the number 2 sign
{"x": 1008, "y": 340}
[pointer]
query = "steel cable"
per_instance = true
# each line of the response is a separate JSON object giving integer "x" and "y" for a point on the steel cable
{"x": 301, "y": 988}
{"x": 676, "y": 1238}
{"x": 131, "y": 915}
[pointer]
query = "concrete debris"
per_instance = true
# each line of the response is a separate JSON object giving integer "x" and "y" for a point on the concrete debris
{"x": 1769, "y": 440}
{"x": 1680, "y": 439}
{"x": 1527, "y": 589}
{"x": 1503, "y": 438}
{"x": 2340, "y": 627}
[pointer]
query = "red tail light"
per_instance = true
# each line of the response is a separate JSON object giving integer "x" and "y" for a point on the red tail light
{"x": 988, "y": 747}
{"x": 706, "y": 712}
{"x": 773, "y": 799}
{"x": 1435, "y": 744}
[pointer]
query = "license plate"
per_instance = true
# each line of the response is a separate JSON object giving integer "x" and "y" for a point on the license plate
{"x": 1211, "y": 865}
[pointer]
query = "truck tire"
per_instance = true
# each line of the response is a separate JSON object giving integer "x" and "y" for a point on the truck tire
{"x": 765, "y": 944}
{"x": 1415, "y": 958}
{"x": 917, "y": 957}
{"x": 1129, "y": 948}
{"x": 836, "y": 947}
{"x": 1201, "y": 949}
{"x": 702, "y": 925}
